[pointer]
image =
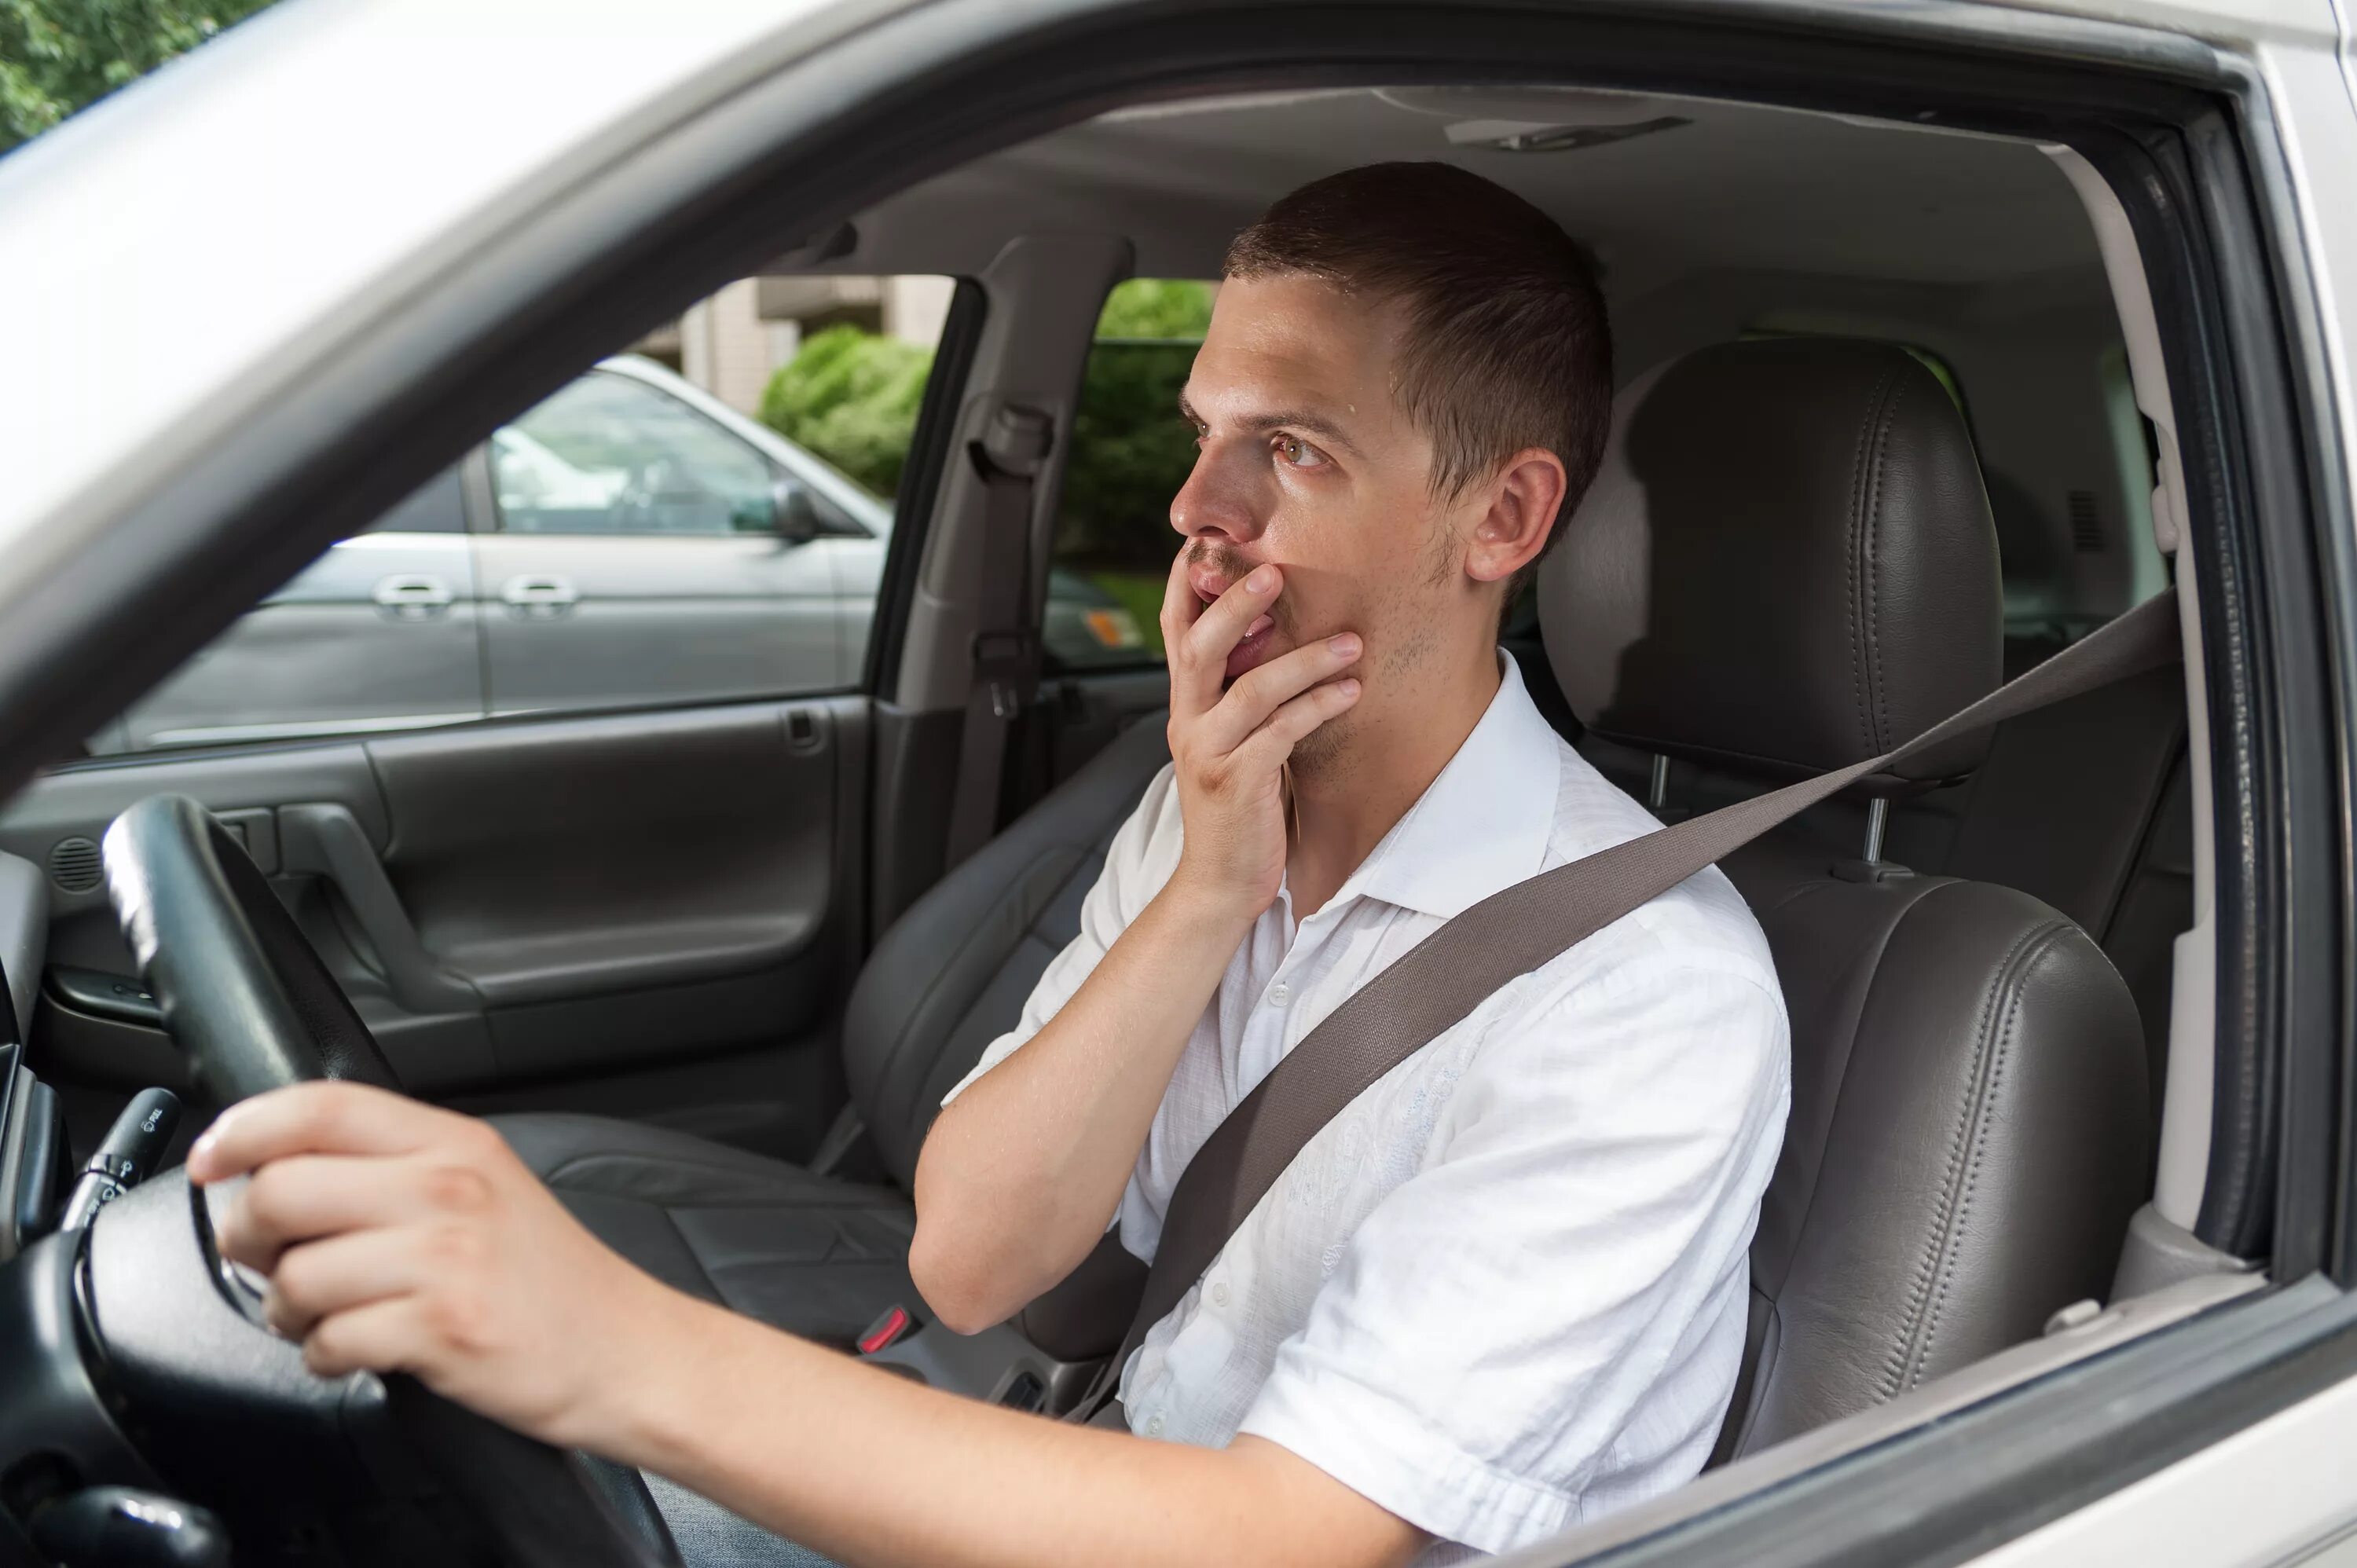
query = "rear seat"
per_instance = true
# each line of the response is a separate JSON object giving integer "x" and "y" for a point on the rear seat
{"x": 2085, "y": 806}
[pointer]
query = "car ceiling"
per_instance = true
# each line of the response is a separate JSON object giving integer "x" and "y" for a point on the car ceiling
{"x": 1663, "y": 188}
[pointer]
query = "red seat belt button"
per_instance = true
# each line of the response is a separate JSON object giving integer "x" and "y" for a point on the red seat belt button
{"x": 887, "y": 1330}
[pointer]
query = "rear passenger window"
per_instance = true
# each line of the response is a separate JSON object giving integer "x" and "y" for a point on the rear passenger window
{"x": 702, "y": 518}
{"x": 1131, "y": 452}
{"x": 612, "y": 454}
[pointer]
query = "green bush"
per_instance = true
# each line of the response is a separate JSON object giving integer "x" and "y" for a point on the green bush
{"x": 1157, "y": 308}
{"x": 1131, "y": 452}
{"x": 851, "y": 397}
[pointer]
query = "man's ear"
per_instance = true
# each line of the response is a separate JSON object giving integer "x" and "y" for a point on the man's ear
{"x": 1524, "y": 499}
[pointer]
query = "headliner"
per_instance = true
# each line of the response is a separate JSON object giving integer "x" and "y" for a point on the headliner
{"x": 1737, "y": 186}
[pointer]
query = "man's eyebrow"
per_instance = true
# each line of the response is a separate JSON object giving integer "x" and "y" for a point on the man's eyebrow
{"x": 1307, "y": 420}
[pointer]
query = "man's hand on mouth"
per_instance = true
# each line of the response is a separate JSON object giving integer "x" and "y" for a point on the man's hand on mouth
{"x": 1238, "y": 707}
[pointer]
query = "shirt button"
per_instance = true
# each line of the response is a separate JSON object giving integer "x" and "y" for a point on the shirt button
{"x": 1154, "y": 1426}
{"x": 1279, "y": 994}
{"x": 1219, "y": 1295}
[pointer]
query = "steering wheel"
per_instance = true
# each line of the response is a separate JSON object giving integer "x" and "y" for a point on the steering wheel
{"x": 245, "y": 996}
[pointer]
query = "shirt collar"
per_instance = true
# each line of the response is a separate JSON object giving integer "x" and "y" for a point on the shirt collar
{"x": 1481, "y": 826}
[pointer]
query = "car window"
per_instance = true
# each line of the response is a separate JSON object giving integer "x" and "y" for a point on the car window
{"x": 702, "y": 518}
{"x": 611, "y": 455}
{"x": 1130, "y": 453}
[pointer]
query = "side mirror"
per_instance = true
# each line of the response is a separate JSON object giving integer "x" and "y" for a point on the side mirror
{"x": 786, "y": 512}
{"x": 797, "y": 519}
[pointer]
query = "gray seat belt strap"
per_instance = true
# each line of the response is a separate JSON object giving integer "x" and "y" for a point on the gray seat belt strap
{"x": 1440, "y": 981}
{"x": 1006, "y": 647}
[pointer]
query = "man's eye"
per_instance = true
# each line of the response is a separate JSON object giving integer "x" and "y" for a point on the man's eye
{"x": 1298, "y": 452}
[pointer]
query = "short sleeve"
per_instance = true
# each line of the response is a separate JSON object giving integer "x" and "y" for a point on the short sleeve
{"x": 1137, "y": 862}
{"x": 1546, "y": 1318}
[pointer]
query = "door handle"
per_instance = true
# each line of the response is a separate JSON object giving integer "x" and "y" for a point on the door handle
{"x": 538, "y": 598}
{"x": 412, "y": 598}
{"x": 324, "y": 839}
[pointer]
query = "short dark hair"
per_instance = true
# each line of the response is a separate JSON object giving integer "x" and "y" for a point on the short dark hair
{"x": 1505, "y": 346}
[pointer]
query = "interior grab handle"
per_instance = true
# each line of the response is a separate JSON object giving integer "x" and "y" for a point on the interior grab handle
{"x": 326, "y": 840}
{"x": 538, "y": 596}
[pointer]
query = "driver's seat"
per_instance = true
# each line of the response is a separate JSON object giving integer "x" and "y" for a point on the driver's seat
{"x": 807, "y": 1253}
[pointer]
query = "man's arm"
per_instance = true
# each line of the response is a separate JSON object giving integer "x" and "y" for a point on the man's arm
{"x": 1023, "y": 1171}
{"x": 398, "y": 1236}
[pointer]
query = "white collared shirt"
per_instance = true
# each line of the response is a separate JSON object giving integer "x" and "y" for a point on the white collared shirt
{"x": 1504, "y": 1292}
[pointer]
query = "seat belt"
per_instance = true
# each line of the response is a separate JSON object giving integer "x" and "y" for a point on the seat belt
{"x": 1009, "y": 459}
{"x": 1439, "y": 981}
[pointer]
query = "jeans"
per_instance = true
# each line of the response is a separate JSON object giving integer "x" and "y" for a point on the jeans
{"x": 709, "y": 1536}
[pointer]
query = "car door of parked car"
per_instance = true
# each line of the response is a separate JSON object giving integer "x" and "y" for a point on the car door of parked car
{"x": 379, "y": 634}
{"x": 641, "y": 551}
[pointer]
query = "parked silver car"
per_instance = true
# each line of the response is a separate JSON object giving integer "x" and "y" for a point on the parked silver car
{"x": 633, "y": 540}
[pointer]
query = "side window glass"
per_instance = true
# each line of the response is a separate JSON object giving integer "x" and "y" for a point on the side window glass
{"x": 701, "y": 518}
{"x": 613, "y": 455}
{"x": 1131, "y": 452}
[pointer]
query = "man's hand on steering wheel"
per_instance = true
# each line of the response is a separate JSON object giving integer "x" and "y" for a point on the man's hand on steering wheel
{"x": 399, "y": 1238}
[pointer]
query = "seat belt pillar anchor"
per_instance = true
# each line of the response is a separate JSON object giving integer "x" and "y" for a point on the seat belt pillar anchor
{"x": 1018, "y": 439}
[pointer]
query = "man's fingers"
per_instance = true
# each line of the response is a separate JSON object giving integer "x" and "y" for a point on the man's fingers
{"x": 1196, "y": 644}
{"x": 1274, "y": 742}
{"x": 1259, "y": 693}
{"x": 304, "y": 1196}
{"x": 319, "y": 1279}
{"x": 1228, "y": 619}
{"x": 312, "y": 1118}
{"x": 388, "y": 1335}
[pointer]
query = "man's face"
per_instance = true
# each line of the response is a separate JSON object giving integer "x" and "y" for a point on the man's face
{"x": 1307, "y": 461}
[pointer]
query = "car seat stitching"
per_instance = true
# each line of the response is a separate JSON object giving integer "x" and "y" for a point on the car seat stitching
{"x": 1880, "y": 945}
{"x": 2002, "y": 1058}
{"x": 580, "y": 1165}
{"x": 1869, "y": 535}
{"x": 710, "y": 1283}
{"x": 1850, "y": 565}
{"x": 1927, "y": 1270}
{"x": 930, "y": 992}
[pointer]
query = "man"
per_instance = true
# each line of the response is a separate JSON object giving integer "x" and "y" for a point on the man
{"x": 1501, "y": 1292}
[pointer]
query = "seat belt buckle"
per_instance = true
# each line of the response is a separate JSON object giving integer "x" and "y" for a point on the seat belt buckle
{"x": 895, "y": 1323}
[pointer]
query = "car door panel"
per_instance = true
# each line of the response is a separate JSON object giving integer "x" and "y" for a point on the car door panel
{"x": 571, "y": 858}
{"x": 517, "y": 904}
{"x": 380, "y": 633}
{"x": 586, "y": 621}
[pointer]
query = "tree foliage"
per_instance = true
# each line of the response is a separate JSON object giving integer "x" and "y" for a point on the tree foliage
{"x": 852, "y": 397}
{"x": 60, "y": 56}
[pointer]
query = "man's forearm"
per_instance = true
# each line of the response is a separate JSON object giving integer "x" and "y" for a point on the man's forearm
{"x": 1021, "y": 1173}
{"x": 874, "y": 1470}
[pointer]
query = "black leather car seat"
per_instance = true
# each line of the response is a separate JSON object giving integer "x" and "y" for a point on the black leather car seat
{"x": 816, "y": 1255}
{"x": 1786, "y": 566}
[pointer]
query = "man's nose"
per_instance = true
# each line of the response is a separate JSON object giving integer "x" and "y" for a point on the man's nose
{"x": 1216, "y": 501}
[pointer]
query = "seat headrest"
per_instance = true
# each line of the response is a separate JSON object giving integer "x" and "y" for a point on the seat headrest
{"x": 1785, "y": 566}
